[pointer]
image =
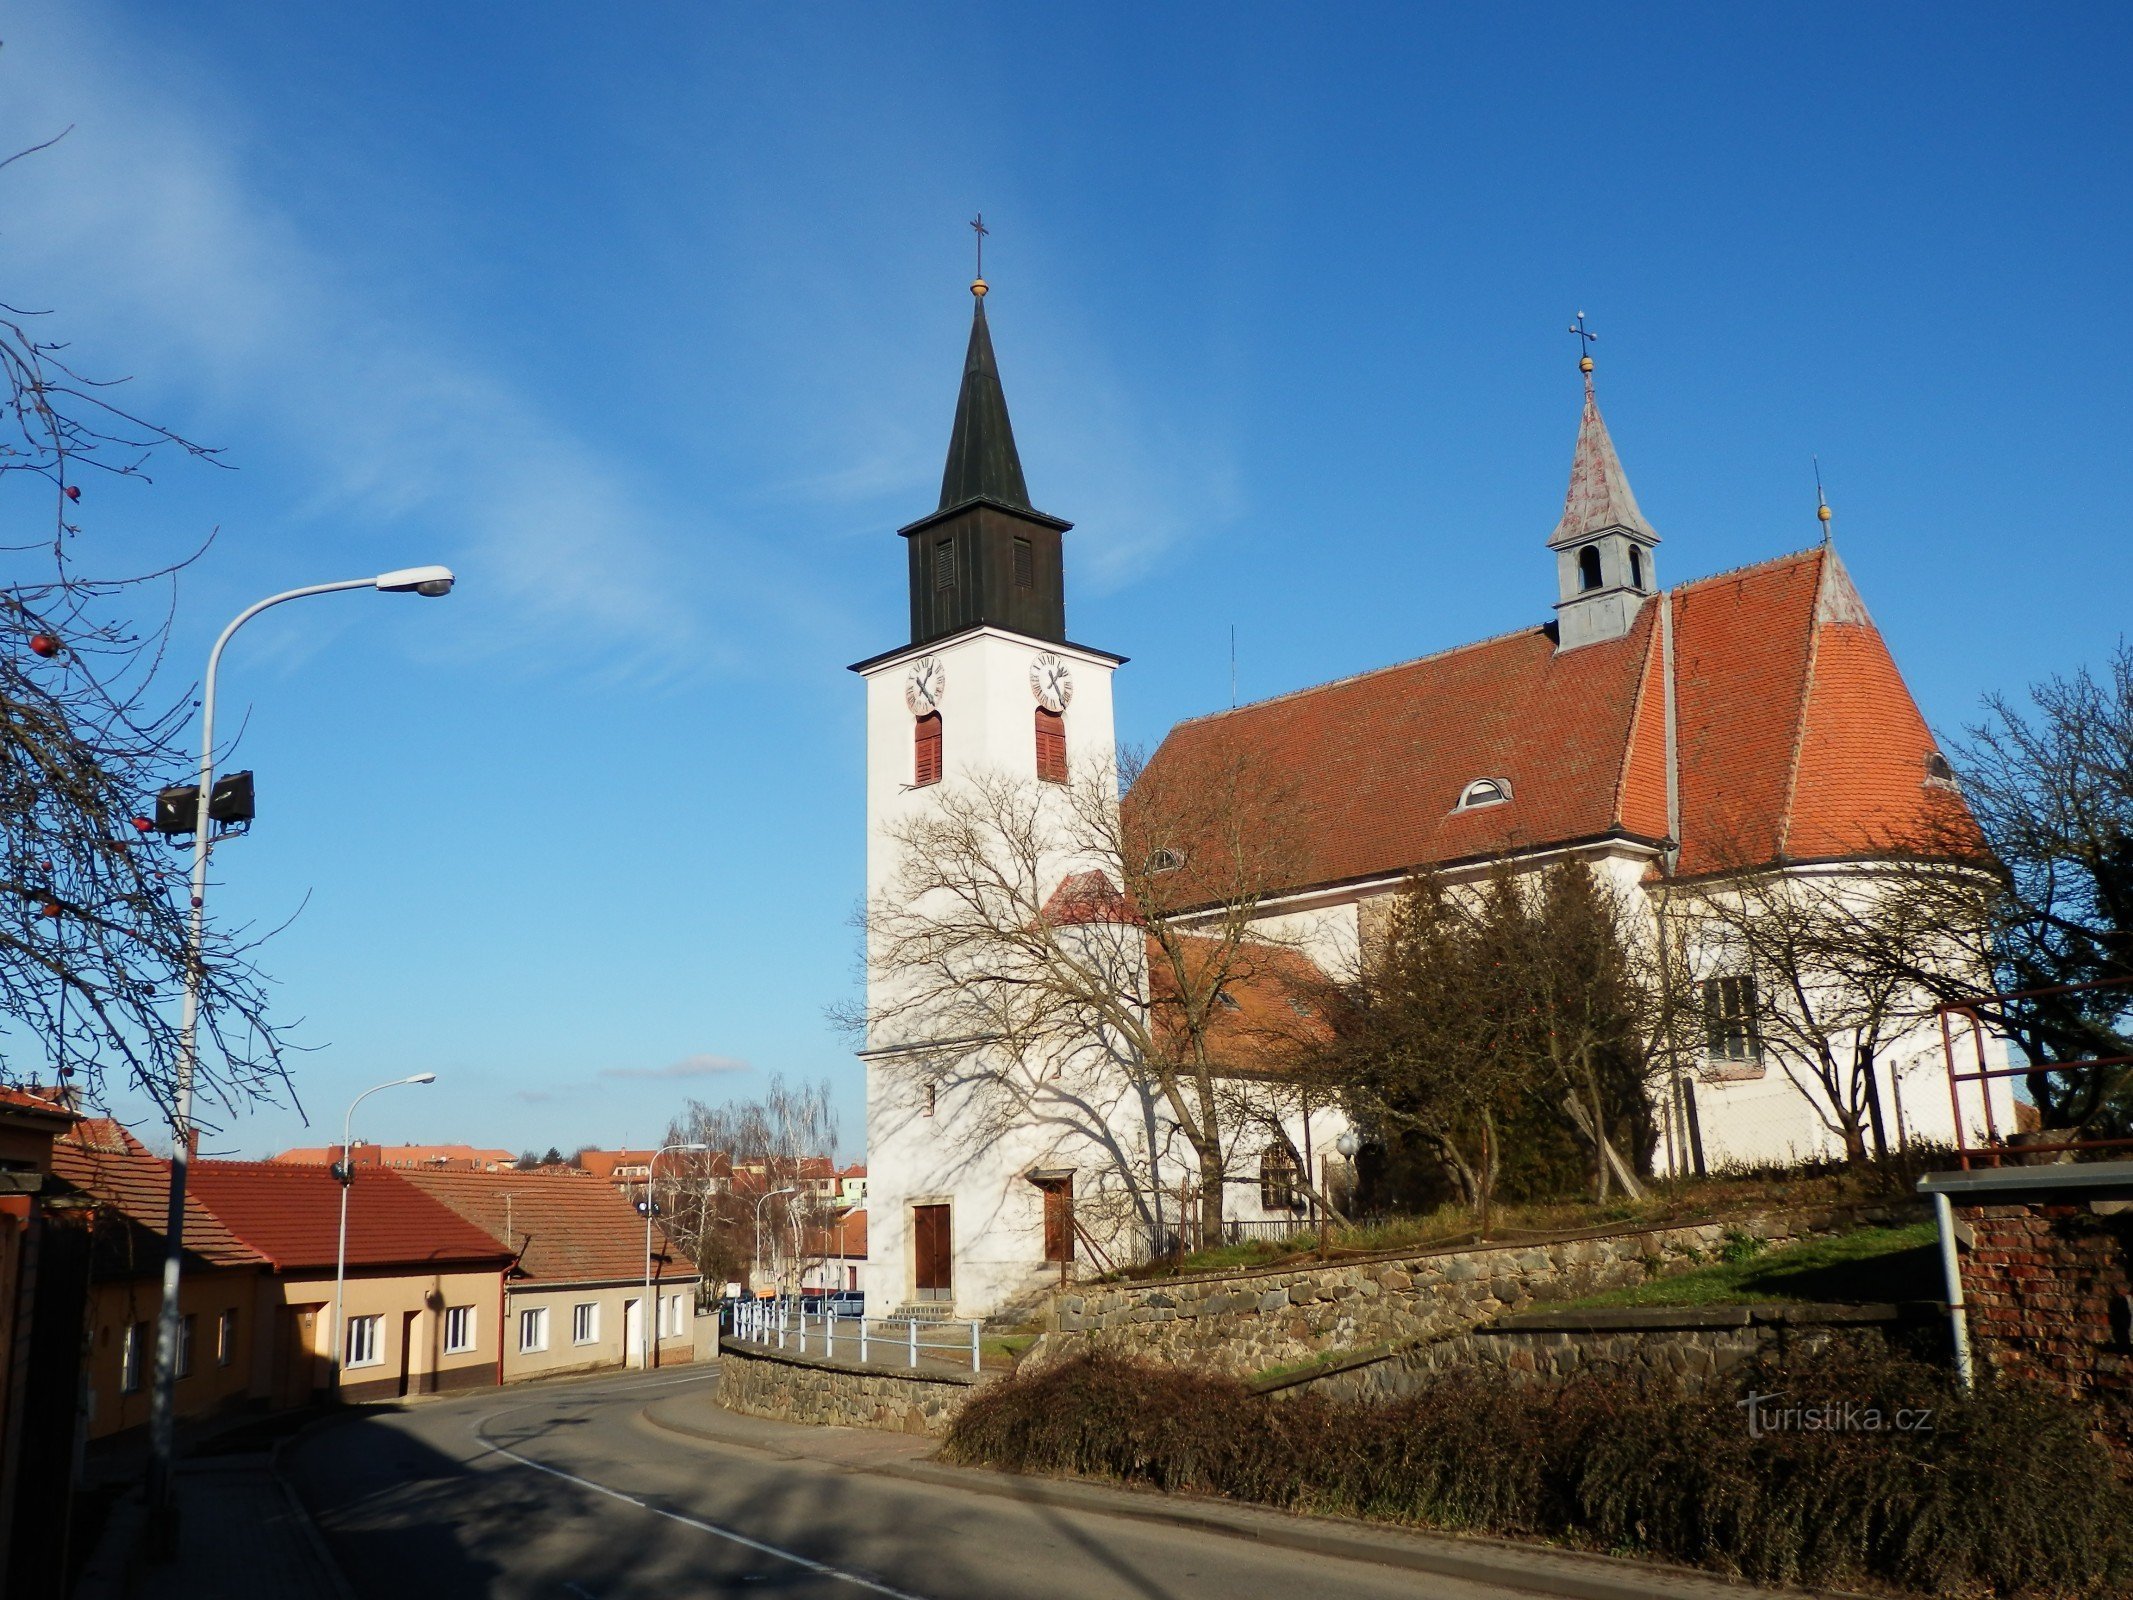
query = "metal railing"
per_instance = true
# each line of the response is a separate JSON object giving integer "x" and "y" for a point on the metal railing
{"x": 869, "y": 1341}
{"x": 1999, "y": 1145}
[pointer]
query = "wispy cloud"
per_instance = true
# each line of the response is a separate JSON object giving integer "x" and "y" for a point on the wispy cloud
{"x": 147, "y": 218}
{"x": 699, "y": 1066}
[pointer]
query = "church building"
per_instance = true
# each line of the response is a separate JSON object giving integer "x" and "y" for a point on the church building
{"x": 1752, "y": 719}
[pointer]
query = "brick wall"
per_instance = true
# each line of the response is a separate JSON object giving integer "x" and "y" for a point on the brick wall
{"x": 2047, "y": 1281}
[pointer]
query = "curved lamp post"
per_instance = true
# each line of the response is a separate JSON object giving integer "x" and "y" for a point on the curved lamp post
{"x": 646, "y": 1343}
{"x": 345, "y": 1171}
{"x": 162, "y": 1459}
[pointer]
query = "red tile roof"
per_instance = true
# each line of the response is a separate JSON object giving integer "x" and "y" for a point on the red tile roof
{"x": 845, "y": 1238}
{"x": 1797, "y": 738}
{"x": 564, "y": 1229}
{"x": 289, "y": 1214}
{"x": 400, "y": 1155}
{"x": 137, "y": 1188}
{"x": 105, "y": 1133}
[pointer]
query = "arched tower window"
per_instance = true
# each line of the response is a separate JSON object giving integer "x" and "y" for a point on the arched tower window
{"x": 926, "y": 750}
{"x": 1636, "y": 567}
{"x": 1589, "y": 567}
{"x": 1051, "y": 745}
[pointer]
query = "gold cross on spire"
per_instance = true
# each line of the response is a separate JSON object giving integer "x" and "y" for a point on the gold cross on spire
{"x": 977, "y": 226}
{"x": 1586, "y": 340}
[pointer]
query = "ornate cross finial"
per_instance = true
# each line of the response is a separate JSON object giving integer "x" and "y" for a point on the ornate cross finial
{"x": 1586, "y": 340}
{"x": 977, "y": 226}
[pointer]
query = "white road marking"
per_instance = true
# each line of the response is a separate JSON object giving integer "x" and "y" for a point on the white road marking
{"x": 818, "y": 1568}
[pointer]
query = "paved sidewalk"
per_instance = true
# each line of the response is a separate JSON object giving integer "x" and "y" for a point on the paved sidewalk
{"x": 240, "y": 1534}
{"x": 1543, "y": 1571}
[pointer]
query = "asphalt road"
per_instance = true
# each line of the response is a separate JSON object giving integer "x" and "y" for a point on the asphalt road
{"x": 567, "y": 1492}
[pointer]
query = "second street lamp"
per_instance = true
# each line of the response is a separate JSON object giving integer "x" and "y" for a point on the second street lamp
{"x": 646, "y": 1341}
{"x": 345, "y": 1171}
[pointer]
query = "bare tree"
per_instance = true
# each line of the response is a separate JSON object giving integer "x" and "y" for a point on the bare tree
{"x": 94, "y": 942}
{"x": 1045, "y": 948}
{"x": 783, "y": 1140}
{"x": 1808, "y": 992}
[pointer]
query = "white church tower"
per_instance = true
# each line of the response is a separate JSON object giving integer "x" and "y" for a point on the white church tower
{"x": 988, "y": 683}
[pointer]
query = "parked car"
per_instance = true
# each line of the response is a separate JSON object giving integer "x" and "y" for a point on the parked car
{"x": 848, "y": 1304}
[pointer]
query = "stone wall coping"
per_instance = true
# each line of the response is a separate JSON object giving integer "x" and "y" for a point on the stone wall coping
{"x": 792, "y": 1358}
{"x": 1660, "y": 1319}
{"x": 1524, "y": 1241}
{"x": 2007, "y": 1183}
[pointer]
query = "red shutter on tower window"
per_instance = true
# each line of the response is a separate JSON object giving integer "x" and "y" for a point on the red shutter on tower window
{"x": 1051, "y": 746}
{"x": 926, "y": 766}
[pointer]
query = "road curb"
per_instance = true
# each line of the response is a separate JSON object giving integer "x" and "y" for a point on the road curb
{"x": 1506, "y": 1563}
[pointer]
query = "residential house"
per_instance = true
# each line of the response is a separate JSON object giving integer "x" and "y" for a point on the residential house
{"x": 575, "y": 1293}
{"x": 424, "y": 1297}
{"x": 450, "y": 1157}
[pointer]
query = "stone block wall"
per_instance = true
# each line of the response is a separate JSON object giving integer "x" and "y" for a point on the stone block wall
{"x": 1689, "y": 1345}
{"x": 2048, "y": 1285}
{"x": 1245, "y": 1323}
{"x": 794, "y": 1388}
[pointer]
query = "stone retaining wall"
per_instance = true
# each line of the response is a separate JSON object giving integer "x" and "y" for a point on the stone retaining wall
{"x": 1242, "y": 1323}
{"x": 795, "y": 1388}
{"x": 1687, "y": 1344}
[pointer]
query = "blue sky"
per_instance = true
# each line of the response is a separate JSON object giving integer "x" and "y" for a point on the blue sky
{"x": 650, "y": 325}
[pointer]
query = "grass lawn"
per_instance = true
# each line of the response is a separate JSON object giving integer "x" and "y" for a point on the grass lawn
{"x": 1869, "y": 1264}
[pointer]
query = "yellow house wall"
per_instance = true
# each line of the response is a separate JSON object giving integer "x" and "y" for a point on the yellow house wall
{"x": 563, "y": 1354}
{"x": 392, "y": 1296}
{"x": 211, "y": 1386}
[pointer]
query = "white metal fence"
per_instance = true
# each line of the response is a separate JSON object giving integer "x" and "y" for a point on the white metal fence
{"x": 870, "y": 1341}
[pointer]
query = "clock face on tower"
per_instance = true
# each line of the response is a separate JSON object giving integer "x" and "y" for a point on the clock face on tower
{"x": 925, "y": 686}
{"x": 1051, "y": 682}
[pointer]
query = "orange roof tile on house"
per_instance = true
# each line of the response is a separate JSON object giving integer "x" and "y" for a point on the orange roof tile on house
{"x": 136, "y": 1187}
{"x": 561, "y": 1228}
{"x": 1797, "y": 739}
{"x": 845, "y": 1238}
{"x": 104, "y": 1133}
{"x": 399, "y": 1155}
{"x": 289, "y": 1213}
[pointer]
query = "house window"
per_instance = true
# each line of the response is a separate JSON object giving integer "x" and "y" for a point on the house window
{"x": 585, "y": 1322}
{"x": 1729, "y": 1020}
{"x": 1484, "y": 792}
{"x": 362, "y": 1345}
{"x": 1051, "y": 745}
{"x": 1589, "y": 567}
{"x": 186, "y": 1325}
{"x": 226, "y": 1337}
{"x": 673, "y": 1316}
{"x": 458, "y": 1330}
{"x": 1025, "y": 565}
{"x": 133, "y": 1354}
{"x": 1277, "y": 1179}
{"x": 944, "y": 563}
{"x": 533, "y": 1328}
{"x": 1636, "y": 567}
{"x": 931, "y": 1094}
{"x": 926, "y": 751}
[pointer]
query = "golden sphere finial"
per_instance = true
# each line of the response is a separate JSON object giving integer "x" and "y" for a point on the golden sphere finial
{"x": 977, "y": 287}
{"x": 1585, "y": 365}
{"x": 1822, "y": 512}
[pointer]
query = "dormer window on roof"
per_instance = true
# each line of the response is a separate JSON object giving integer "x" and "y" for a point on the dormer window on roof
{"x": 1938, "y": 770}
{"x": 1166, "y": 860}
{"x": 1484, "y": 792}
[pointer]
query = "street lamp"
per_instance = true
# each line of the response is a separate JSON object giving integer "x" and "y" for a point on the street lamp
{"x": 772, "y": 1195}
{"x": 645, "y": 1342}
{"x": 345, "y": 1171}
{"x": 162, "y": 1429}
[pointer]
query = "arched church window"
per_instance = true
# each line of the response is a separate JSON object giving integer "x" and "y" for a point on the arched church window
{"x": 1589, "y": 567}
{"x": 1484, "y": 792}
{"x": 1051, "y": 745}
{"x": 926, "y": 751}
{"x": 1636, "y": 567}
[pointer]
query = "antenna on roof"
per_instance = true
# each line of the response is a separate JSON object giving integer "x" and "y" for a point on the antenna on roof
{"x": 1821, "y": 505}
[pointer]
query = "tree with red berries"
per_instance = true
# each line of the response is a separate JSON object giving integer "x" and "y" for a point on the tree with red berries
{"x": 93, "y": 907}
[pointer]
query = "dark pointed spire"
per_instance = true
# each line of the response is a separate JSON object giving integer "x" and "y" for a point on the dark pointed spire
{"x": 982, "y": 463}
